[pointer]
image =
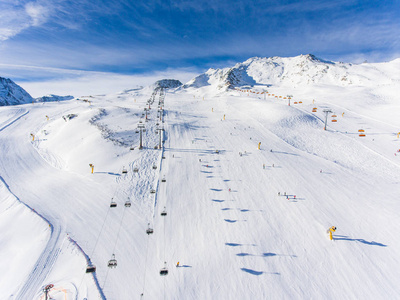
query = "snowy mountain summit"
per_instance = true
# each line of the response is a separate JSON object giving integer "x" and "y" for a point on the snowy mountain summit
{"x": 286, "y": 71}
{"x": 12, "y": 94}
{"x": 168, "y": 83}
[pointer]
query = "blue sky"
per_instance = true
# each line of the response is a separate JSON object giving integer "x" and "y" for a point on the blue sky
{"x": 52, "y": 40}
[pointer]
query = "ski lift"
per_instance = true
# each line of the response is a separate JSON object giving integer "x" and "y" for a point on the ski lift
{"x": 334, "y": 116}
{"x": 149, "y": 230}
{"x": 90, "y": 268}
{"x": 113, "y": 203}
{"x": 154, "y": 167}
{"x": 124, "y": 171}
{"x": 112, "y": 263}
{"x": 137, "y": 131}
{"x": 334, "y": 120}
{"x": 163, "y": 180}
{"x": 164, "y": 271}
{"x": 132, "y": 148}
{"x": 152, "y": 191}
{"x": 164, "y": 212}
{"x": 135, "y": 170}
{"x": 128, "y": 203}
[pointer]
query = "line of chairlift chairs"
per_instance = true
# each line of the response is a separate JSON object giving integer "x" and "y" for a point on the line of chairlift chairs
{"x": 112, "y": 263}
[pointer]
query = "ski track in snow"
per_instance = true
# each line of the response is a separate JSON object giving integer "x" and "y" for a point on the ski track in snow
{"x": 46, "y": 259}
{"x": 234, "y": 236}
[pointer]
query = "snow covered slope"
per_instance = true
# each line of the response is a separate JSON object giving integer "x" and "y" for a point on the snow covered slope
{"x": 243, "y": 222}
{"x": 12, "y": 94}
{"x": 295, "y": 72}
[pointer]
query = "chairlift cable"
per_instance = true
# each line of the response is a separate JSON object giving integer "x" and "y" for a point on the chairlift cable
{"x": 115, "y": 245}
{"x": 145, "y": 264}
{"x": 119, "y": 230}
{"x": 101, "y": 230}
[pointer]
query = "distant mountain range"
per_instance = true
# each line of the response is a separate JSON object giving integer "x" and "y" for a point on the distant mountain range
{"x": 296, "y": 71}
{"x": 52, "y": 98}
{"x": 12, "y": 94}
{"x": 266, "y": 71}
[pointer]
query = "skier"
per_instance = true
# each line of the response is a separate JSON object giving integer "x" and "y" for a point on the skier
{"x": 177, "y": 265}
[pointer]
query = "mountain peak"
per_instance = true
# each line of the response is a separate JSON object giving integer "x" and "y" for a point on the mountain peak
{"x": 12, "y": 94}
{"x": 168, "y": 83}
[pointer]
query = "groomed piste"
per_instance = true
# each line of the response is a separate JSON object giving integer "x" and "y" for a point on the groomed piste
{"x": 211, "y": 190}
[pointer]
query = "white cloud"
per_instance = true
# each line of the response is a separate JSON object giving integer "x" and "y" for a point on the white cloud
{"x": 77, "y": 83}
{"x": 16, "y": 17}
{"x": 38, "y": 13}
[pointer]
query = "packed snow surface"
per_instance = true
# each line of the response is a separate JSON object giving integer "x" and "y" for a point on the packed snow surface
{"x": 243, "y": 222}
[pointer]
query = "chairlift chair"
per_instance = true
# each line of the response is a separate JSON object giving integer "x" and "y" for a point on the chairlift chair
{"x": 164, "y": 212}
{"x": 112, "y": 263}
{"x": 152, "y": 191}
{"x": 135, "y": 170}
{"x": 163, "y": 180}
{"x": 128, "y": 203}
{"x": 113, "y": 203}
{"x": 164, "y": 271}
{"x": 90, "y": 268}
{"x": 124, "y": 171}
{"x": 154, "y": 167}
{"x": 149, "y": 230}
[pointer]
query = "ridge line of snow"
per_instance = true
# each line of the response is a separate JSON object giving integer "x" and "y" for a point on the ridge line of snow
{"x": 15, "y": 120}
{"x": 96, "y": 281}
